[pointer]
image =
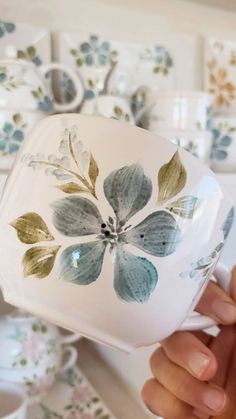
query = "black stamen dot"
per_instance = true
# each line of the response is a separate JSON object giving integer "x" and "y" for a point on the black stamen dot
{"x": 103, "y": 225}
{"x": 142, "y": 236}
{"x": 107, "y": 233}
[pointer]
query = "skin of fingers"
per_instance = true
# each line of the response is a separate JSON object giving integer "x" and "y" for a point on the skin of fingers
{"x": 163, "y": 403}
{"x": 226, "y": 376}
{"x": 207, "y": 398}
{"x": 222, "y": 347}
{"x": 217, "y": 304}
{"x": 233, "y": 283}
{"x": 188, "y": 352}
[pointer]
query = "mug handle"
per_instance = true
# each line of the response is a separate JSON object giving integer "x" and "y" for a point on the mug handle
{"x": 70, "y": 338}
{"x": 65, "y": 107}
{"x": 198, "y": 321}
{"x": 71, "y": 360}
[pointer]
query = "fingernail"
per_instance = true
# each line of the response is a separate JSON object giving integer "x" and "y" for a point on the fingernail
{"x": 214, "y": 399}
{"x": 198, "y": 361}
{"x": 224, "y": 311}
{"x": 200, "y": 414}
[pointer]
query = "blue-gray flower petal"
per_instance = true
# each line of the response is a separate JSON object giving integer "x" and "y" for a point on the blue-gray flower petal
{"x": 228, "y": 223}
{"x": 159, "y": 234}
{"x": 82, "y": 263}
{"x": 135, "y": 277}
{"x": 127, "y": 190}
{"x": 75, "y": 216}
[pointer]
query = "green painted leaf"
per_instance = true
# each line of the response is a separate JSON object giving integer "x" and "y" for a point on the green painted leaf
{"x": 72, "y": 187}
{"x": 118, "y": 111}
{"x": 171, "y": 178}
{"x": 17, "y": 118}
{"x": 31, "y": 228}
{"x": 185, "y": 207}
{"x": 39, "y": 261}
{"x": 31, "y": 51}
{"x": 20, "y": 54}
{"x": 36, "y": 94}
{"x": 93, "y": 170}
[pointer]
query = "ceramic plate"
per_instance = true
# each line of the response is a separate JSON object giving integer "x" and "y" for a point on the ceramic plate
{"x": 220, "y": 72}
{"x": 93, "y": 57}
{"x": 27, "y": 41}
{"x": 72, "y": 397}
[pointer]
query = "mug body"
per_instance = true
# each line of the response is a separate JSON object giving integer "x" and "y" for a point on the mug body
{"x": 118, "y": 239}
{"x": 223, "y": 152}
{"x": 179, "y": 110}
{"x": 110, "y": 106}
{"x": 198, "y": 143}
{"x": 14, "y": 127}
{"x": 22, "y": 83}
{"x": 13, "y": 401}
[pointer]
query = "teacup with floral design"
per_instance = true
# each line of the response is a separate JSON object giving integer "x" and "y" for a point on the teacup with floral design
{"x": 109, "y": 106}
{"x": 32, "y": 351}
{"x": 116, "y": 231}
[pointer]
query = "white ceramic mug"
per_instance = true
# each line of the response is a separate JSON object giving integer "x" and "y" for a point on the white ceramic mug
{"x": 173, "y": 109}
{"x": 198, "y": 143}
{"x": 110, "y": 106}
{"x": 13, "y": 403}
{"x": 24, "y": 86}
{"x": 223, "y": 152}
{"x": 119, "y": 239}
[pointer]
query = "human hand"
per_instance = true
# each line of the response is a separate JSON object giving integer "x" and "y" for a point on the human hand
{"x": 195, "y": 373}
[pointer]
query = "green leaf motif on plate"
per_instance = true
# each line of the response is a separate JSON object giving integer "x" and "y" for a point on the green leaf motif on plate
{"x": 31, "y": 228}
{"x": 172, "y": 178}
{"x": 185, "y": 207}
{"x": 39, "y": 261}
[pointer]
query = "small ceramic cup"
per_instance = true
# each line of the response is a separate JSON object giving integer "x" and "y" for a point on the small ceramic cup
{"x": 13, "y": 401}
{"x": 14, "y": 127}
{"x": 223, "y": 151}
{"x": 37, "y": 380}
{"x": 198, "y": 143}
{"x": 110, "y": 106}
{"x": 170, "y": 109}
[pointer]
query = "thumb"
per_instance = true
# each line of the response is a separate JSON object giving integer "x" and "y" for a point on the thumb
{"x": 233, "y": 283}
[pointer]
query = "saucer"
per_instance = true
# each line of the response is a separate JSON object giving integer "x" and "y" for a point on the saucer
{"x": 71, "y": 397}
